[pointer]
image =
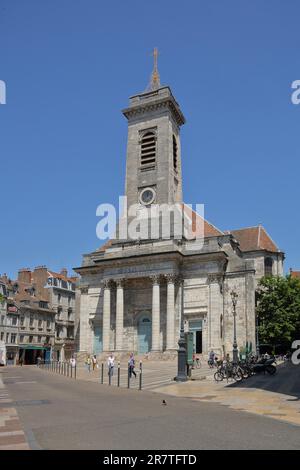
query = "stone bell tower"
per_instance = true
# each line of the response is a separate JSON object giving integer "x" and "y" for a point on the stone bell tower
{"x": 153, "y": 167}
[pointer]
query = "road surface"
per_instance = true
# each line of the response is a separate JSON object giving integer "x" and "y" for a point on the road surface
{"x": 60, "y": 413}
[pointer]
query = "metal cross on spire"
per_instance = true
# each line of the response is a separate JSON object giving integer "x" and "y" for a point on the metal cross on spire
{"x": 155, "y": 80}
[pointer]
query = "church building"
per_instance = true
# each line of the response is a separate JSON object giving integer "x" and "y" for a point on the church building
{"x": 130, "y": 289}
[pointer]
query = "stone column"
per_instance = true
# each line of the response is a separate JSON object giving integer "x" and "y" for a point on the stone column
{"x": 83, "y": 320}
{"x": 170, "y": 311}
{"x": 119, "y": 314}
{"x": 106, "y": 315}
{"x": 155, "y": 314}
{"x": 215, "y": 311}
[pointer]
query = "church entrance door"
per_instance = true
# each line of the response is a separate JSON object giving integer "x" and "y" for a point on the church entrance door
{"x": 97, "y": 340}
{"x": 195, "y": 326}
{"x": 144, "y": 334}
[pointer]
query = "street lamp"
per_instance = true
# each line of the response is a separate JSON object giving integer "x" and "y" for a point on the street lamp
{"x": 257, "y": 338}
{"x": 181, "y": 371}
{"x": 234, "y": 297}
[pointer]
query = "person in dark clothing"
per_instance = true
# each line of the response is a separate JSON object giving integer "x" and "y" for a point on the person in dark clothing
{"x": 131, "y": 365}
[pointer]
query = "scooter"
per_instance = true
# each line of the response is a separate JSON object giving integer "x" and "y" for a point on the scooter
{"x": 264, "y": 365}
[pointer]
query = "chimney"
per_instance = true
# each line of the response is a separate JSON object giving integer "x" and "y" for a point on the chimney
{"x": 64, "y": 272}
{"x": 40, "y": 275}
{"x": 24, "y": 275}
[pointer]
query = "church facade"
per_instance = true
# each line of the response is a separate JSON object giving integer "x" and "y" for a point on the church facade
{"x": 130, "y": 289}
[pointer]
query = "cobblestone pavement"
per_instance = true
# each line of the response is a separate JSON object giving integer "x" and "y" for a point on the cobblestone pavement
{"x": 276, "y": 396}
{"x": 155, "y": 374}
{"x": 12, "y": 436}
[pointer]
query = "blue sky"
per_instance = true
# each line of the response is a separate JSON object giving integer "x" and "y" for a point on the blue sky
{"x": 70, "y": 66}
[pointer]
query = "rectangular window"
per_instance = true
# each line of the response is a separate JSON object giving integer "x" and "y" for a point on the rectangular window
{"x": 21, "y": 338}
{"x": 30, "y": 339}
{"x": 14, "y": 320}
{"x": 13, "y": 338}
{"x": 7, "y": 337}
{"x": 40, "y": 323}
{"x": 39, "y": 338}
{"x": 2, "y": 336}
{"x": 31, "y": 320}
{"x": 22, "y": 321}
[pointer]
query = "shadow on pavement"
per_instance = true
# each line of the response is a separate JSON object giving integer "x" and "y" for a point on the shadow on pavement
{"x": 286, "y": 381}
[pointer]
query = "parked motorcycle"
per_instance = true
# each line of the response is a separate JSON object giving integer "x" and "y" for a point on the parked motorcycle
{"x": 264, "y": 365}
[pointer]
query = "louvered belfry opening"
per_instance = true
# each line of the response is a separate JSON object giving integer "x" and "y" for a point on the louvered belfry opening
{"x": 174, "y": 153}
{"x": 148, "y": 148}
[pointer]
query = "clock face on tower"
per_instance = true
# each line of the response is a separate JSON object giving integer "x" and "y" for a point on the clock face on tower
{"x": 147, "y": 196}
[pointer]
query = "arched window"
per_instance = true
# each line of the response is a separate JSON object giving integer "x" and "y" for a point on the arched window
{"x": 174, "y": 153}
{"x": 148, "y": 148}
{"x": 268, "y": 266}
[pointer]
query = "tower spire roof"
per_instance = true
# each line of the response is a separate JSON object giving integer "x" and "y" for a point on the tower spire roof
{"x": 155, "y": 79}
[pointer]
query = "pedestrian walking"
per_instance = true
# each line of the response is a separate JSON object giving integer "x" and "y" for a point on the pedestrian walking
{"x": 111, "y": 364}
{"x": 73, "y": 362}
{"x": 211, "y": 358}
{"x": 94, "y": 361}
{"x": 131, "y": 366}
{"x": 88, "y": 363}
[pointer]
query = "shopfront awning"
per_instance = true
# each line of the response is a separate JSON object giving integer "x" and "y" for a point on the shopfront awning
{"x": 29, "y": 346}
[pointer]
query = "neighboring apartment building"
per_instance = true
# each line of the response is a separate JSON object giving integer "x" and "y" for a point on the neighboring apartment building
{"x": 62, "y": 298}
{"x": 40, "y": 314}
{"x": 9, "y": 320}
{"x": 295, "y": 274}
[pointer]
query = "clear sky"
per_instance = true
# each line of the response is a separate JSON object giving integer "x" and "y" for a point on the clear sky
{"x": 69, "y": 68}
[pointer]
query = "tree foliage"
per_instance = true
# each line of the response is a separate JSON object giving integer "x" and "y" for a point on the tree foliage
{"x": 278, "y": 310}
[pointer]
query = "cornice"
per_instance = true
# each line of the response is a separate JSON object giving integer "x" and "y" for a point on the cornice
{"x": 166, "y": 102}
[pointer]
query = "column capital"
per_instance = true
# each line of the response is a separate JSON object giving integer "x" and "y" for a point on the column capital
{"x": 84, "y": 289}
{"x": 155, "y": 278}
{"x": 106, "y": 283}
{"x": 120, "y": 283}
{"x": 215, "y": 278}
{"x": 171, "y": 278}
{"x": 180, "y": 280}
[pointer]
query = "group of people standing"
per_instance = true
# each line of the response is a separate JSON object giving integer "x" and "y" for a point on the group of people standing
{"x": 92, "y": 361}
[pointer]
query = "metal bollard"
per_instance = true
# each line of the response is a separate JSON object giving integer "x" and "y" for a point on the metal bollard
{"x": 71, "y": 372}
{"x": 141, "y": 375}
{"x": 102, "y": 371}
{"x": 59, "y": 367}
{"x": 118, "y": 374}
{"x": 75, "y": 371}
{"x": 68, "y": 369}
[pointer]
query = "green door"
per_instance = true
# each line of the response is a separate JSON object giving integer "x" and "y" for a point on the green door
{"x": 97, "y": 340}
{"x": 144, "y": 335}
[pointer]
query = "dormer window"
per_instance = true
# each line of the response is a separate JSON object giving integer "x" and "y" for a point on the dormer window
{"x": 148, "y": 148}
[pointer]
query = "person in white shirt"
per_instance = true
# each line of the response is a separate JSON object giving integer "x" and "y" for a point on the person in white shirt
{"x": 111, "y": 364}
{"x": 94, "y": 361}
{"x": 73, "y": 362}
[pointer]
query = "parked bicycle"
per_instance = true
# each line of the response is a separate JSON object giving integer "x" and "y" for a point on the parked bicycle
{"x": 227, "y": 371}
